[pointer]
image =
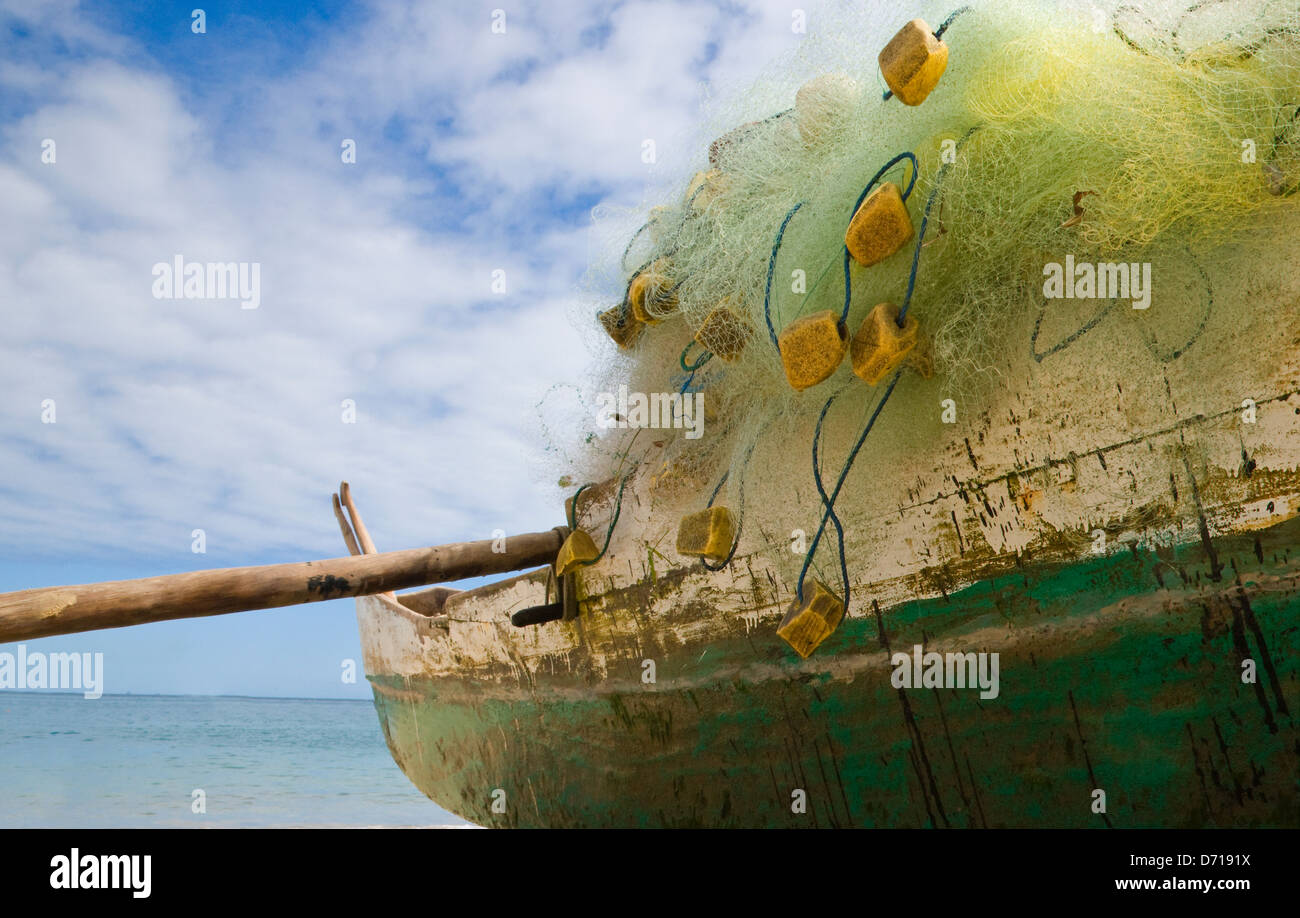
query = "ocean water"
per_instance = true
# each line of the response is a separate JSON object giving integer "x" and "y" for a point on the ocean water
{"x": 136, "y": 760}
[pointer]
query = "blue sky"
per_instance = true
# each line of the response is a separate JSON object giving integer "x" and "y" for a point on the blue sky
{"x": 475, "y": 151}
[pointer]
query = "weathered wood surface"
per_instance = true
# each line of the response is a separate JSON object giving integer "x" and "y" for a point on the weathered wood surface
{"x": 68, "y": 609}
{"x": 1121, "y": 670}
{"x": 1107, "y": 682}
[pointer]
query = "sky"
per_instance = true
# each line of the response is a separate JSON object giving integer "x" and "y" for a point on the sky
{"x": 128, "y": 421}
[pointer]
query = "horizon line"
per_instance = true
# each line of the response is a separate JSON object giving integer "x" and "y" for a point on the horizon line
{"x": 80, "y": 694}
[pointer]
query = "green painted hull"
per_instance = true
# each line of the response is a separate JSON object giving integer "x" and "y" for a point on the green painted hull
{"x": 1121, "y": 673}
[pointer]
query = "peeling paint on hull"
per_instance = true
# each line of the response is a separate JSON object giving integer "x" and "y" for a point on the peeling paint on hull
{"x": 1120, "y": 672}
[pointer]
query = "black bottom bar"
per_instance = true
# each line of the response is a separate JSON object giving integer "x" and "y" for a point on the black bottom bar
{"x": 332, "y": 867}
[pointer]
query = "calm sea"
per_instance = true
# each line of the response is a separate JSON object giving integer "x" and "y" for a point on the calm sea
{"x": 136, "y": 760}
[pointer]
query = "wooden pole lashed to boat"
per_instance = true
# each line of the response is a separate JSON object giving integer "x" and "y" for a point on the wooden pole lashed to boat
{"x": 69, "y": 609}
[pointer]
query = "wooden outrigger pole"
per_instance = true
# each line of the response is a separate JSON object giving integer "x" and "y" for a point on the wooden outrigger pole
{"x": 48, "y": 611}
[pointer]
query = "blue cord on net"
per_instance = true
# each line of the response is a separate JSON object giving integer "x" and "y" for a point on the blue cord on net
{"x": 740, "y": 516}
{"x": 686, "y": 384}
{"x": 690, "y": 370}
{"x": 925, "y": 221}
{"x": 771, "y": 268}
{"x": 681, "y": 359}
{"x": 938, "y": 33}
{"x": 609, "y": 533}
{"x": 916, "y": 253}
{"x": 780, "y": 236}
{"x": 829, "y": 500}
{"x": 906, "y": 154}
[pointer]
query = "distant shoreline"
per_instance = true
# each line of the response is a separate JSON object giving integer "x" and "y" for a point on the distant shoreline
{"x": 76, "y": 694}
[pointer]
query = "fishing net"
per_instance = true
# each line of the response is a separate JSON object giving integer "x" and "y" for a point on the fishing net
{"x": 1164, "y": 134}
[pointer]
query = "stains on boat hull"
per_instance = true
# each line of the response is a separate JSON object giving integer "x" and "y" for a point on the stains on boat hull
{"x": 1120, "y": 673}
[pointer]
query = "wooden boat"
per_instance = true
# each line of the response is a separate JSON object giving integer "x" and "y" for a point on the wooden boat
{"x": 1113, "y": 523}
{"x": 1159, "y": 670}
{"x": 1117, "y": 523}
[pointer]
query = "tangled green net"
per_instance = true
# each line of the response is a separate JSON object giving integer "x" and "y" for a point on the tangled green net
{"x": 1146, "y": 132}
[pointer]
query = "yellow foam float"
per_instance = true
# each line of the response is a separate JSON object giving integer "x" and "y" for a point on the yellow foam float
{"x": 807, "y": 624}
{"x": 707, "y": 534}
{"x": 724, "y": 332}
{"x": 880, "y": 345}
{"x": 578, "y": 549}
{"x": 622, "y": 326}
{"x": 812, "y": 348}
{"x": 913, "y": 62}
{"x": 880, "y": 227}
{"x": 651, "y": 294}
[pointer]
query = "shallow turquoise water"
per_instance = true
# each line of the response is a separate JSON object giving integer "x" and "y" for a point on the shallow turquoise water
{"x": 136, "y": 760}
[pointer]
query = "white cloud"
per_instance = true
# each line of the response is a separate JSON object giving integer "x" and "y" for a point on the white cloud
{"x": 176, "y": 414}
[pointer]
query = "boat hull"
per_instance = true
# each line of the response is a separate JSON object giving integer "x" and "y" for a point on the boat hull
{"x": 1118, "y": 521}
{"x": 1121, "y": 674}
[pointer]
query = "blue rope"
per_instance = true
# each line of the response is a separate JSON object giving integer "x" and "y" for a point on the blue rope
{"x": 714, "y": 495}
{"x": 916, "y": 254}
{"x": 938, "y": 33}
{"x": 740, "y": 516}
{"x": 686, "y": 384}
{"x": 906, "y": 154}
{"x": 573, "y": 507}
{"x": 690, "y": 370}
{"x": 771, "y": 267}
{"x": 609, "y": 533}
{"x": 708, "y": 355}
{"x": 829, "y": 500}
{"x": 829, "y": 503}
{"x": 925, "y": 221}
